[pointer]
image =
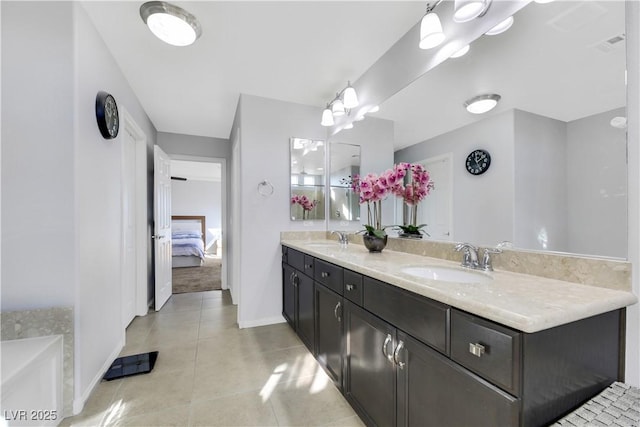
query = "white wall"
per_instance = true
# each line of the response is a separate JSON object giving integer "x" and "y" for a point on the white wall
{"x": 482, "y": 205}
{"x": 632, "y": 12}
{"x": 61, "y": 181}
{"x": 597, "y": 185}
{"x": 540, "y": 196}
{"x": 265, "y": 126}
{"x": 193, "y": 197}
{"x": 98, "y": 205}
{"x": 38, "y": 218}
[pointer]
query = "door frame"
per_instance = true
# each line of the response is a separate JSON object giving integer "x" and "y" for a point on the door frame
{"x": 223, "y": 204}
{"x": 446, "y": 156}
{"x": 140, "y": 189}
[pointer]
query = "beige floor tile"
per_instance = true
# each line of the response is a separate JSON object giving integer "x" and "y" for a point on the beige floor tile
{"x": 154, "y": 391}
{"x": 174, "y": 416}
{"x": 229, "y": 376}
{"x": 209, "y": 372}
{"x": 313, "y": 402}
{"x": 182, "y": 319}
{"x": 247, "y": 409}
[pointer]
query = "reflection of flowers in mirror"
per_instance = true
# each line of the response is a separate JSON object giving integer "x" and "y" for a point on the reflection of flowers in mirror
{"x": 306, "y": 203}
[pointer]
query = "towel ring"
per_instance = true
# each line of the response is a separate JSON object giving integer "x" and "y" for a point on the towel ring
{"x": 265, "y": 188}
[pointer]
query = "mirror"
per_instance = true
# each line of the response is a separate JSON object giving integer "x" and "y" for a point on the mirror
{"x": 557, "y": 179}
{"x": 307, "y": 179}
{"x": 344, "y": 163}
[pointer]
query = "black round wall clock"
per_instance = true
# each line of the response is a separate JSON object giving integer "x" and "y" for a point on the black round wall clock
{"x": 478, "y": 161}
{"x": 107, "y": 115}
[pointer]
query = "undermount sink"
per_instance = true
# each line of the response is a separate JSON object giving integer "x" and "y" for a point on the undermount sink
{"x": 321, "y": 244}
{"x": 448, "y": 274}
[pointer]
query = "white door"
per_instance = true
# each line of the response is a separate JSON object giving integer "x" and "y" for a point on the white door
{"x": 436, "y": 209}
{"x": 162, "y": 226}
{"x": 128, "y": 279}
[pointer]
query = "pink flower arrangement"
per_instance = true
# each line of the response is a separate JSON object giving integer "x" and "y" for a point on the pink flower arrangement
{"x": 415, "y": 190}
{"x": 373, "y": 188}
{"x": 306, "y": 203}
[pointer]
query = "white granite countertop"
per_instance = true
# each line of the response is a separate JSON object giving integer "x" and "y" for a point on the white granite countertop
{"x": 523, "y": 302}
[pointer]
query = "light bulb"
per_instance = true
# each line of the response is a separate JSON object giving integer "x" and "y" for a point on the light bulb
{"x": 350, "y": 97}
{"x": 482, "y": 103}
{"x": 466, "y": 10}
{"x": 431, "y": 34}
{"x": 327, "y": 117}
{"x": 337, "y": 108}
{"x": 501, "y": 27}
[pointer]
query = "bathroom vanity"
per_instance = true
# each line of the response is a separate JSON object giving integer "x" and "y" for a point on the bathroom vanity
{"x": 408, "y": 350}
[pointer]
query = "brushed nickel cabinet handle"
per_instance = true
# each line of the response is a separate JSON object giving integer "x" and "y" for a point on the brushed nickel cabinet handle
{"x": 386, "y": 343}
{"x": 396, "y": 355}
{"x": 349, "y": 287}
{"x": 324, "y": 274}
{"x": 335, "y": 311}
{"x": 476, "y": 349}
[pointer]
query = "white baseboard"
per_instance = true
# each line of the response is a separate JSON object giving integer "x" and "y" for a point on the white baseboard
{"x": 261, "y": 322}
{"x": 79, "y": 402}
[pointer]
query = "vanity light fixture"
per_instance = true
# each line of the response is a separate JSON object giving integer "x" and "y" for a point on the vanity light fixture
{"x": 482, "y": 103}
{"x": 431, "y": 34}
{"x": 342, "y": 104}
{"x": 327, "y": 117}
{"x": 501, "y": 27}
{"x": 171, "y": 24}
{"x": 337, "y": 107}
{"x": 467, "y": 10}
{"x": 350, "y": 97}
{"x": 460, "y": 52}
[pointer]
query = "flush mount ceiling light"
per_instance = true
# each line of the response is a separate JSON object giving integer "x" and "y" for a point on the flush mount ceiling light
{"x": 482, "y": 103}
{"x": 501, "y": 27}
{"x": 342, "y": 104}
{"x": 467, "y": 10}
{"x": 431, "y": 34}
{"x": 171, "y": 24}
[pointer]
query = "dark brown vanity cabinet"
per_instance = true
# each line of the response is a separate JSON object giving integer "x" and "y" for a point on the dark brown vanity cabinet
{"x": 370, "y": 374}
{"x": 298, "y": 295}
{"x": 329, "y": 332}
{"x": 402, "y": 359}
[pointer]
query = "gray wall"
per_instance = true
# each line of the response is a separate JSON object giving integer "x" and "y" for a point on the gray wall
{"x": 597, "y": 185}
{"x": 482, "y": 205}
{"x": 191, "y": 145}
{"x": 540, "y": 196}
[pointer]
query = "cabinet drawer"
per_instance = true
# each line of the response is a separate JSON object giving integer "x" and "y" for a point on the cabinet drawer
{"x": 490, "y": 350}
{"x": 329, "y": 275}
{"x": 295, "y": 259}
{"x": 353, "y": 286}
{"x": 419, "y": 316}
{"x": 308, "y": 265}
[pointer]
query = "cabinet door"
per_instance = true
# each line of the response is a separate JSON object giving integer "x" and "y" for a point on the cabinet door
{"x": 434, "y": 391}
{"x": 305, "y": 311}
{"x": 329, "y": 308}
{"x": 289, "y": 295}
{"x": 370, "y": 381}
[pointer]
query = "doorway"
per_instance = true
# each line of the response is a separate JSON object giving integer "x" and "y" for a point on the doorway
{"x": 133, "y": 220}
{"x": 198, "y": 190}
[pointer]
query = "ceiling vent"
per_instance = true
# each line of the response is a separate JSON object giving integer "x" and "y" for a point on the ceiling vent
{"x": 572, "y": 19}
{"x": 610, "y": 44}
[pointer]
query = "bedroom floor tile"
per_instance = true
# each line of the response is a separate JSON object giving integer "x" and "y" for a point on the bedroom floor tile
{"x": 211, "y": 373}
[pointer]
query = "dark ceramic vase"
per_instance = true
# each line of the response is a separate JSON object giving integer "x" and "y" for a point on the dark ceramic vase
{"x": 374, "y": 243}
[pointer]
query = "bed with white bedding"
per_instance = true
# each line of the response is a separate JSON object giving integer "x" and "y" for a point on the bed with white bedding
{"x": 187, "y": 240}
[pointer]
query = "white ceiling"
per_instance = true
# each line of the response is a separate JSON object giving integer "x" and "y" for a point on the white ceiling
{"x": 297, "y": 51}
{"x": 196, "y": 171}
{"x": 305, "y": 51}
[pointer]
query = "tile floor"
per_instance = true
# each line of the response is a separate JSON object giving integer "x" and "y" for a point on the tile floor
{"x": 210, "y": 373}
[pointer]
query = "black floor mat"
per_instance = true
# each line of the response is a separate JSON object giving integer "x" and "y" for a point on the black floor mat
{"x": 131, "y": 365}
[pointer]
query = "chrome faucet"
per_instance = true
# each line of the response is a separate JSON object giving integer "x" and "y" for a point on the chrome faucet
{"x": 469, "y": 255}
{"x": 343, "y": 237}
